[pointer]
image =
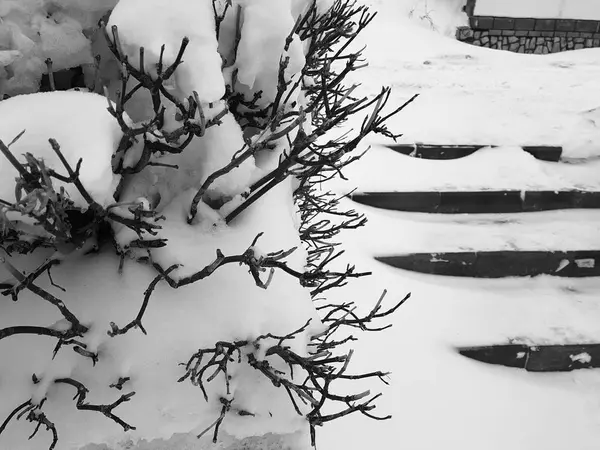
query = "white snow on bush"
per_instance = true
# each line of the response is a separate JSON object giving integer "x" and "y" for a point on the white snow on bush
{"x": 82, "y": 126}
{"x": 265, "y": 26}
{"x": 196, "y": 163}
{"x": 41, "y": 29}
{"x": 171, "y": 22}
{"x": 225, "y": 306}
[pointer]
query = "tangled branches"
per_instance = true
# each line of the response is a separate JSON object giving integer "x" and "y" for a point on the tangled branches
{"x": 59, "y": 224}
{"x": 156, "y": 140}
{"x": 32, "y": 410}
{"x": 293, "y": 130}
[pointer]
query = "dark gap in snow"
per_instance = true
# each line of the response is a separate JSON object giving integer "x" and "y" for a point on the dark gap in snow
{"x": 538, "y": 358}
{"x": 64, "y": 79}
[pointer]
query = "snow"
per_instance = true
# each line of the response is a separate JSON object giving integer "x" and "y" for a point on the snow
{"x": 92, "y": 136}
{"x": 191, "y": 318}
{"x": 582, "y": 357}
{"x": 38, "y": 29}
{"x": 200, "y": 159}
{"x": 471, "y": 95}
{"x": 488, "y": 169}
{"x": 548, "y": 9}
{"x": 475, "y": 95}
{"x": 265, "y": 26}
{"x": 438, "y": 398}
{"x": 226, "y": 306}
{"x": 201, "y": 70}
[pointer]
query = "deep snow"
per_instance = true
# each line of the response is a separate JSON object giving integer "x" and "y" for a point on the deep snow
{"x": 438, "y": 398}
{"x": 468, "y": 95}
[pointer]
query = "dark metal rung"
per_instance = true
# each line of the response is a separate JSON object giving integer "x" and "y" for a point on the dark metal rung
{"x": 445, "y": 152}
{"x": 541, "y": 358}
{"x": 500, "y": 264}
{"x": 479, "y": 202}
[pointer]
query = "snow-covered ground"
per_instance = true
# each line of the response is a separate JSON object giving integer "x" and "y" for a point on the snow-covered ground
{"x": 471, "y": 95}
{"x": 438, "y": 398}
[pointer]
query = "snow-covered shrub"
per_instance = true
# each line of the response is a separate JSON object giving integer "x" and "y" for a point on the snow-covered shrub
{"x": 125, "y": 218}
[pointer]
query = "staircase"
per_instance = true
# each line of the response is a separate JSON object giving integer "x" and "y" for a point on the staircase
{"x": 470, "y": 205}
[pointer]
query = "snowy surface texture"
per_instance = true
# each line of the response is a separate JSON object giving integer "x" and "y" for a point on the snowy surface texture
{"x": 470, "y": 95}
{"x": 178, "y": 323}
{"x": 201, "y": 71}
{"x": 266, "y": 25}
{"x": 82, "y": 126}
{"x": 226, "y": 306}
{"x": 33, "y": 30}
{"x": 467, "y": 95}
{"x": 551, "y": 9}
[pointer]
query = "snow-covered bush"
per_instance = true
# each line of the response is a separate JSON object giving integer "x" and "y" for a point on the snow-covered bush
{"x": 200, "y": 145}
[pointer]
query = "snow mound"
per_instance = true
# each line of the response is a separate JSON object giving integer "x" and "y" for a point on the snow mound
{"x": 497, "y": 168}
{"x": 39, "y": 29}
{"x": 201, "y": 69}
{"x": 82, "y": 126}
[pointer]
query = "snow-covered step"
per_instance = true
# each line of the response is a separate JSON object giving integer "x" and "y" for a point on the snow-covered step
{"x": 444, "y": 152}
{"x": 402, "y": 233}
{"x": 488, "y": 169}
{"x": 537, "y": 358}
{"x": 500, "y": 264}
{"x": 479, "y": 202}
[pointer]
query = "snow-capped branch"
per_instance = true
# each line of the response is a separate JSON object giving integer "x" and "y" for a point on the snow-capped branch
{"x": 35, "y": 414}
{"x": 275, "y": 122}
{"x": 155, "y": 138}
{"x": 106, "y": 410}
